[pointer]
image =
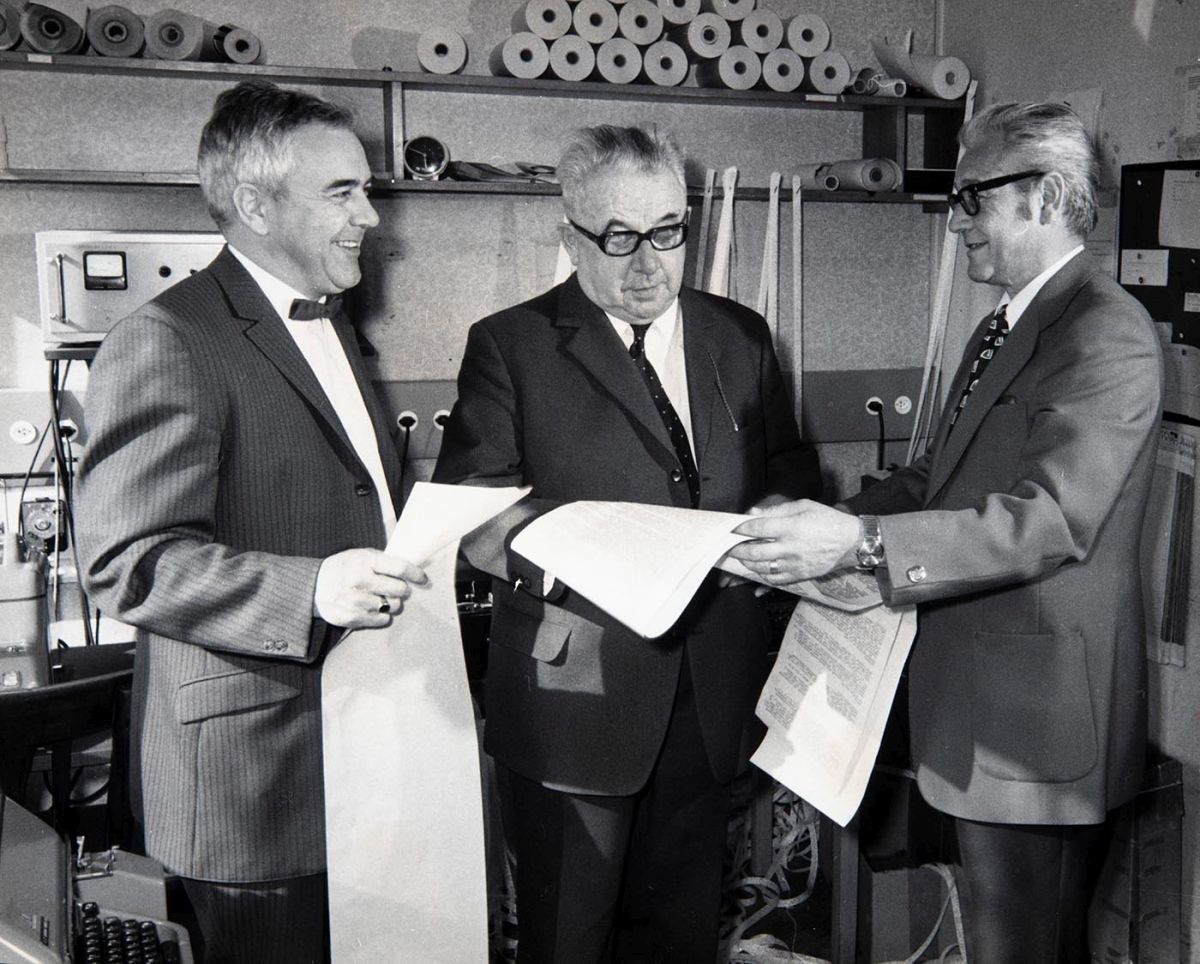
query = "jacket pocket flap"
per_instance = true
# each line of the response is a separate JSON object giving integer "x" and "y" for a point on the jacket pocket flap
{"x": 542, "y": 637}
{"x": 209, "y": 696}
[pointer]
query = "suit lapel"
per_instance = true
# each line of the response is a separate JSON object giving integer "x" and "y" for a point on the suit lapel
{"x": 702, "y": 352}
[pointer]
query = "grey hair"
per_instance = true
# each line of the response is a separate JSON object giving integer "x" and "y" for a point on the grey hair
{"x": 246, "y": 141}
{"x": 1046, "y": 137}
{"x": 627, "y": 148}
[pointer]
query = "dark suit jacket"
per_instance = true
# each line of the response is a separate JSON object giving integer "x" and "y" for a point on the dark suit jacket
{"x": 216, "y": 480}
{"x": 1018, "y": 536}
{"x": 548, "y": 396}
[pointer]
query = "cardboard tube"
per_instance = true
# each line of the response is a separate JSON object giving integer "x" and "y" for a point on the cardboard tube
{"x": 705, "y": 38}
{"x": 866, "y": 81}
{"x": 10, "y": 24}
{"x": 640, "y": 21}
{"x": 441, "y": 51}
{"x": 665, "y": 64}
{"x": 728, "y": 9}
{"x": 761, "y": 30}
{"x": 619, "y": 61}
{"x": 240, "y": 46}
{"x": 51, "y": 32}
{"x": 175, "y": 35}
{"x": 807, "y": 34}
{"x": 595, "y": 20}
{"x": 783, "y": 70}
{"x": 945, "y": 77}
{"x": 829, "y": 73}
{"x": 816, "y": 177}
{"x": 739, "y": 68}
{"x": 523, "y": 55}
{"x": 572, "y": 58}
{"x": 549, "y": 19}
{"x": 677, "y": 12}
{"x": 873, "y": 174}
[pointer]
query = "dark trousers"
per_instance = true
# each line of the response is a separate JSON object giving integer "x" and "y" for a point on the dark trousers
{"x": 274, "y": 922}
{"x": 595, "y": 873}
{"x": 1025, "y": 890}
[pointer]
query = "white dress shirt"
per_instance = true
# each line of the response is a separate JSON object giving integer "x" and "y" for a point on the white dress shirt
{"x": 319, "y": 344}
{"x": 1021, "y": 300}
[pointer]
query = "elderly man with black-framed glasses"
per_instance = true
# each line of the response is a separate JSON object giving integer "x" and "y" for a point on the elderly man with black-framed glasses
{"x": 615, "y": 752}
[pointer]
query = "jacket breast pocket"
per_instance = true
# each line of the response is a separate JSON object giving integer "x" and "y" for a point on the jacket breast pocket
{"x": 1032, "y": 707}
{"x": 237, "y": 691}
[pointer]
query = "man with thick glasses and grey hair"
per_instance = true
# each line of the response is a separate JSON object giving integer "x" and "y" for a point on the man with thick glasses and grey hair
{"x": 1017, "y": 536}
{"x": 615, "y": 752}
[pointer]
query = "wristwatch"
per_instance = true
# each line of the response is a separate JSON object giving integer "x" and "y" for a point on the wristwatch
{"x": 870, "y": 549}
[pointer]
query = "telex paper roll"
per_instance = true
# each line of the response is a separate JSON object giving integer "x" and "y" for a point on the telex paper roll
{"x": 549, "y": 19}
{"x": 945, "y": 77}
{"x": 816, "y": 177}
{"x": 175, "y": 35}
{"x": 52, "y": 31}
{"x": 761, "y": 31}
{"x": 523, "y": 55}
{"x": 619, "y": 61}
{"x": 595, "y": 20}
{"x": 705, "y": 38}
{"x": 829, "y": 72}
{"x": 783, "y": 70}
{"x": 807, "y": 34}
{"x": 868, "y": 174}
{"x": 676, "y": 12}
{"x": 739, "y": 68}
{"x": 572, "y": 58}
{"x": 441, "y": 51}
{"x": 665, "y": 64}
{"x": 115, "y": 31}
{"x": 10, "y": 25}
{"x": 729, "y": 9}
{"x": 640, "y": 21}
{"x": 239, "y": 45}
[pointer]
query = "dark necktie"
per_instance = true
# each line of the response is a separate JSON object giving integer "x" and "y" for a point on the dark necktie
{"x": 992, "y": 340}
{"x": 670, "y": 418}
{"x": 304, "y": 310}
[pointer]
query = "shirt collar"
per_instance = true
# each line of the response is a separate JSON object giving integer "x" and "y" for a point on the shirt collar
{"x": 663, "y": 325}
{"x": 1021, "y": 300}
{"x": 279, "y": 293}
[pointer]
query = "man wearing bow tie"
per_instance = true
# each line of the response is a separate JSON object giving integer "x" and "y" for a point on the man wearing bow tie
{"x": 239, "y": 486}
{"x": 1017, "y": 537}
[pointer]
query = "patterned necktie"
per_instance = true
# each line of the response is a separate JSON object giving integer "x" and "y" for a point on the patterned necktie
{"x": 992, "y": 340}
{"x": 304, "y": 310}
{"x": 670, "y": 418}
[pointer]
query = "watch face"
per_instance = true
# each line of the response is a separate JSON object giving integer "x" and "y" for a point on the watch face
{"x": 425, "y": 158}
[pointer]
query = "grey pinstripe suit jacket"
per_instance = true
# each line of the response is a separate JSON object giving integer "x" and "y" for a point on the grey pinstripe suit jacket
{"x": 216, "y": 480}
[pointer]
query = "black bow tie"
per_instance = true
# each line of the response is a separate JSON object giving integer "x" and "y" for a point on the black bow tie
{"x": 304, "y": 310}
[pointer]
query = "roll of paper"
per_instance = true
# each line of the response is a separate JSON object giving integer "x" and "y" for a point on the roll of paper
{"x": 816, "y": 177}
{"x": 50, "y": 31}
{"x": 739, "y": 68}
{"x": 549, "y": 19}
{"x": 892, "y": 87}
{"x": 175, "y": 35}
{"x": 115, "y": 31}
{"x": 239, "y": 45}
{"x": 868, "y": 174}
{"x": 729, "y": 9}
{"x": 619, "y": 61}
{"x": 807, "y": 34}
{"x": 10, "y": 24}
{"x": 761, "y": 30}
{"x": 866, "y": 81}
{"x": 595, "y": 20}
{"x": 705, "y": 38}
{"x": 676, "y": 12}
{"x": 829, "y": 72}
{"x": 640, "y": 21}
{"x": 945, "y": 77}
{"x": 572, "y": 58}
{"x": 665, "y": 64}
{"x": 783, "y": 70}
{"x": 441, "y": 51}
{"x": 523, "y": 55}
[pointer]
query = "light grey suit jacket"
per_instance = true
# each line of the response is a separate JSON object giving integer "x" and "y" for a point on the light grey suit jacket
{"x": 216, "y": 480}
{"x": 1017, "y": 535}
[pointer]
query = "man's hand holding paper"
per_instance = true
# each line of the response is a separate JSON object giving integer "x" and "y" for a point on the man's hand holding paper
{"x": 796, "y": 541}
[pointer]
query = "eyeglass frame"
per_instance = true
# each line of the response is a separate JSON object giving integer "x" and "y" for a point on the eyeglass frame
{"x": 601, "y": 239}
{"x": 974, "y": 189}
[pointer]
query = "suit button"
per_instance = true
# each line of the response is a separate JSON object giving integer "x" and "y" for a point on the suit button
{"x": 676, "y": 475}
{"x": 362, "y": 488}
{"x": 916, "y": 574}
